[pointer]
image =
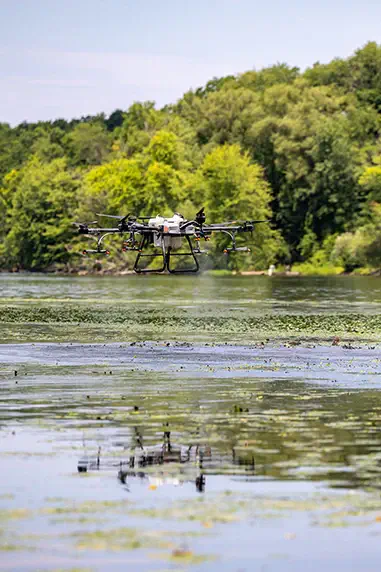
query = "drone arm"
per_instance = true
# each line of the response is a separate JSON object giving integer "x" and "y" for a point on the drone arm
{"x": 189, "y": 223}
{"x": 88, "y": 230}
{"x": 244, "y": 226}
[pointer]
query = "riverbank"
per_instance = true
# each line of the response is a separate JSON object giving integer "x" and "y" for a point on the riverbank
{"x": 211, "y": 272}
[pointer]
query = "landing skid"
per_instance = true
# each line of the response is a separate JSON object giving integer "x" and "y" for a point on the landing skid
{"x": 166, "y": 255}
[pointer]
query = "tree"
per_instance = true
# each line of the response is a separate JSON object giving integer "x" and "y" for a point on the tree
{"x": 113, "y": 188}
{"x": 40, "y": 215}
{"x": 370, "y": 181}
{"x": 267, "y": 77}
{"x": 214, "y": 85}
{"x": 140, "y": 122}
{"x": 164, "y": 148}
{"x": 222, "y": 117}
{"x": 233, "y": 187}
{"x": 310, "y": 160}
{"x": 115, "y": 120}
{"x": 88, "y": 144}
{"x": 162, "y": 189}
{"x": 360, "y": 74}
{"x": 361, "y": 247}
{"x": 50, "y": 145}
{"x": 309, "y": 142}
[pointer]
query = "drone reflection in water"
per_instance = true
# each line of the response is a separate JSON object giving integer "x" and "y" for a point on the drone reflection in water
{"x": 168, "y": 463}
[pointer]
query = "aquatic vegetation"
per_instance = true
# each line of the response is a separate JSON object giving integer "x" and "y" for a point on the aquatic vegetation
{"x": 235, "y": 418}
{"x": 89, "y": 507}
{"x": 155, "y": 321}
{"x": 122, "y": 539}
{"x": 14, "y": 514}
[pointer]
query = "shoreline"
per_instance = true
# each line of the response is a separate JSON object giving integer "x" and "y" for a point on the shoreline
{"x": 212, "y": 272}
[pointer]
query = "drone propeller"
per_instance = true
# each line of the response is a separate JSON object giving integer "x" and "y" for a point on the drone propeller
{"x": 118, "y": 217}
{"x": 122, "y": 219}
{"x": 224, "y": 223}
{"x": 250, "y": 221}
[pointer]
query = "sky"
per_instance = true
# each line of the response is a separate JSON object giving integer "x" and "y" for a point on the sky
{"x": 69, "y": 58}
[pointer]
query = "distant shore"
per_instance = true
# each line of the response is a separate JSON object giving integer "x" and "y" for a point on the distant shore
{"x": 211, "y": 272}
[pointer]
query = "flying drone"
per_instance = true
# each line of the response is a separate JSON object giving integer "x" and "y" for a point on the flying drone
{"x": 166, "y": 236}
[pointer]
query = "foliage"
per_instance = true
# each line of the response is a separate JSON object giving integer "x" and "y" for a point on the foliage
{"x": 113, "y": 188}
{"x": 349, "y": 250}
{"x": 362, "y": 247}
{"x": 88, "y": 144}
{"x": 234, "y": 188}
{"x": 140, "y": 123}
{"x": 360, "y": 74}
{"x": 321, "y": 263}
{"x": 370, "y": 181}
{"x": 44, "y": 196}
{"x": 301, "y": 149}
{"x": 163, "y": 148}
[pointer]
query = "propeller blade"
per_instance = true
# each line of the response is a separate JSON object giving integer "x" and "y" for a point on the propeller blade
{"x": 84, "y": 223}
{"x": 251, "y": 221}
{"x": 119, "y": 217}
{"x": 224, "y": 223}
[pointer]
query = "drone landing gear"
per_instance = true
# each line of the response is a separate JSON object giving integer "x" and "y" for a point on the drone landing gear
{"x": 190, "y": 253}
{"x": 144, "y": 242}
{"x": 166, "y": 256}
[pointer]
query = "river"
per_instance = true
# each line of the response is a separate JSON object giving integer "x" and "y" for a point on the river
{"x": 202, "y": 423}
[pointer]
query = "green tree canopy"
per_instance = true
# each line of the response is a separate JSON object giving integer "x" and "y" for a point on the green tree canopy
{"x": 300, "y": 148}
{"x": 234, "y": 188}
{"x": 43, "y": 202}
{"x": 88, "y": 144}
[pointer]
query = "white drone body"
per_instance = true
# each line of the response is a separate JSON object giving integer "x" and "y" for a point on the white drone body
{"x": 170, "y": 226}
{"x": 162, "y": 238}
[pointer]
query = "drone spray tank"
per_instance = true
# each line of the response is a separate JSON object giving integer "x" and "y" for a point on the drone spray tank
{"x": 171, "y": 227}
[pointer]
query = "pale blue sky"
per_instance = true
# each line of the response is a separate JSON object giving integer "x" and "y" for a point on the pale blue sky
{"x": 67, "y": 58}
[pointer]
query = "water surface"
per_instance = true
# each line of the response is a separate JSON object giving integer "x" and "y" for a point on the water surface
{"x": 172, "y": 423}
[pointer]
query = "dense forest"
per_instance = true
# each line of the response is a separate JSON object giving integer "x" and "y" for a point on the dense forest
{"x": 303, "y": 149}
